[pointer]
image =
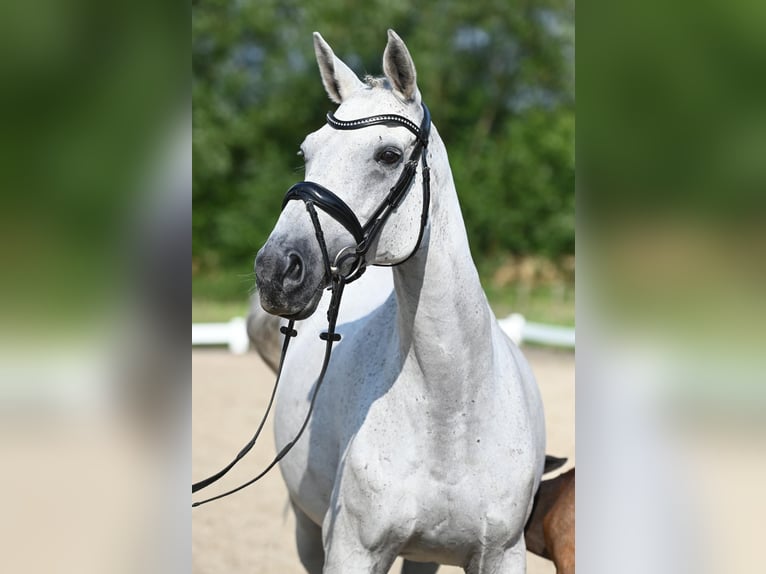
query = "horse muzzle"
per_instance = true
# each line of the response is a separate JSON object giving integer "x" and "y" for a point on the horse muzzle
{"x": 289, "y": 280}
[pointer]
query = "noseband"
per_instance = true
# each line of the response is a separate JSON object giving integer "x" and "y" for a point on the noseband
{"x": 312, "y": 194}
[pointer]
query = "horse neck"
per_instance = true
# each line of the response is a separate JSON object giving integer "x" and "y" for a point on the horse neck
{"x": 443, "y": 317}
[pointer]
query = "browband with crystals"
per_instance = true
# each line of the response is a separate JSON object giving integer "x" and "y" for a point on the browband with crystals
{"x": 382, "y": 119}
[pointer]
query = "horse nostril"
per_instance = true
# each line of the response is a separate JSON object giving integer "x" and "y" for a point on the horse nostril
{"x": 294, "y": 271}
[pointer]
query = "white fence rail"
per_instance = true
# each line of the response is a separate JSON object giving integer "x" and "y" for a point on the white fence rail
{"x": 234, "y": 333}
{"x": 522, "y": 331}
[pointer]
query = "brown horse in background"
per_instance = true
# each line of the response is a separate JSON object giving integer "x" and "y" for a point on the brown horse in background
{"x": 550, "y": 530}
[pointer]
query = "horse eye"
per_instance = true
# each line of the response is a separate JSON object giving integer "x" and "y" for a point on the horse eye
{"x": 389, "y": 155}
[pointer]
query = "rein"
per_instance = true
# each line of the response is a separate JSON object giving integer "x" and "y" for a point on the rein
{"x": 315, "y": 195}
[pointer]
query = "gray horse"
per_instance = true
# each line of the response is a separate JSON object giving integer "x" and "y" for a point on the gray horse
{"x": 427, "y": 440}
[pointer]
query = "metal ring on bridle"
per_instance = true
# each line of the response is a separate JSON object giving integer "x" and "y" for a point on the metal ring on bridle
{"x": 343, "y": 254}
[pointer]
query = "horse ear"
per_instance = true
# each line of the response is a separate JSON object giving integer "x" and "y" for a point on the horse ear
{"x": 338, "y": 79}
{"x": 399, "y": 68}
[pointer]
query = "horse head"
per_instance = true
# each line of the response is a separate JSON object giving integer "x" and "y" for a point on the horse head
{"x": 355, "y": 207}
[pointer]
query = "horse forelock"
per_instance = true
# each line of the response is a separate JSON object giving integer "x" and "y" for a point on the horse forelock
{"x": 378, "y": 82}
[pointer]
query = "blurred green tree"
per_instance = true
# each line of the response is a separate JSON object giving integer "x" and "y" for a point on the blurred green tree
{"x": 497, "y": 75}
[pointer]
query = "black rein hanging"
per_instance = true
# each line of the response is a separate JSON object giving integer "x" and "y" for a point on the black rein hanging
{"x": 313, "y": 194}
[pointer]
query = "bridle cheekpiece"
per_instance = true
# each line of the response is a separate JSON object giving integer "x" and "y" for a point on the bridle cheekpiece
{"x": 314, "y": 194}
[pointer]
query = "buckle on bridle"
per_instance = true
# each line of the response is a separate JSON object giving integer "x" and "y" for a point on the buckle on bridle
{"x": 344, "y": 254}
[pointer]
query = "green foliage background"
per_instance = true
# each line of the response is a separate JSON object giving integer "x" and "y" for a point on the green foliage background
{"x": 497, "y": 75}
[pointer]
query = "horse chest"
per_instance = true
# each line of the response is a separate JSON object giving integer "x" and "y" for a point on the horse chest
{"x": 434, "y": 511}
{"x": 444, "y": 471}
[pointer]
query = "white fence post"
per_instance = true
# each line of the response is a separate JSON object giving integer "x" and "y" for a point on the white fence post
{"x": 233, "y": 334}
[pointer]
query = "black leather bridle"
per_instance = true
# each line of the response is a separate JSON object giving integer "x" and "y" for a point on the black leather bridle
{"x": 313, "y": 194}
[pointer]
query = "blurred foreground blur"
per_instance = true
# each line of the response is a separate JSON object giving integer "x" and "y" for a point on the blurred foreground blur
{"x": 671, "y": 393}
{"x": 95, "y": 197}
